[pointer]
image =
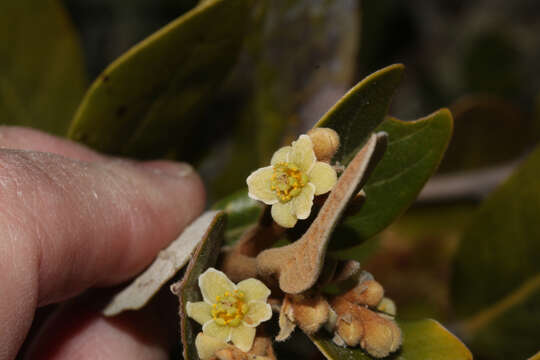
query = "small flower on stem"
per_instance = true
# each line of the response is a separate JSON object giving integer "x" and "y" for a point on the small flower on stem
{"x": 291, "y": 181}
{"x": 229, "y": 312}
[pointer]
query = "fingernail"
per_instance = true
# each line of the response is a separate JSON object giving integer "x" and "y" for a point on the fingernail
{"x": 168, "y": 168}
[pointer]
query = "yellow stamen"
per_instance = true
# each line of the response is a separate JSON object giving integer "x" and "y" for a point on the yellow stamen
{"x": 287, "y": 181}
{"x": 229, "y": 309}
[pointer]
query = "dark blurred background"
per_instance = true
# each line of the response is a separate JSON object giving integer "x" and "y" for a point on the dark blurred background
{"x": 480, "y": 58}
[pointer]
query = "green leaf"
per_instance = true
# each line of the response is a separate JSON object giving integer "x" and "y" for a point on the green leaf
{"x": 42, "y": 76}
{"x": 242, "y": 212}
{"x": 415, "y": 149}
{"x": 187, "y": 289}
{"x": 496, "y": 282}
{"x": 423, "y": 339}
{"x": 357, "y": 114}
{"x": 146, "y": 102}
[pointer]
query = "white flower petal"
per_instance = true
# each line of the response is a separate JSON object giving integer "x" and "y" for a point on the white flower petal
{"x": 199, "y": 311}
{"x": 302, "y": 154}
{"x": 207, "y": 346}
{"x": 304, "y": 201}
{"x": 323, "y": 176}
{"x": 283, "y": 214}
{"x": 282, "y": 155}
{"x": 211, "y": 328}
{"x": 254, "y": 290}
{"x": 242, "y": 337}
{"x": 259, "y": 183}
{"x": 258, "y": 312}
{"x": 214, "y": 283}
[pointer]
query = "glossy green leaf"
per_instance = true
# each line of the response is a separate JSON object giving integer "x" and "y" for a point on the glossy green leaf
{"x": 415, "y": 149}
{"x": 146, "y": 102}
{"x": 42, "y": 76}
{"x": 423, "y": 339}
{"x": 496, "y": 282}
{"x": 357, "y": 114}
{"x": 187, "y": 289}
{"x": 242, "y": 212}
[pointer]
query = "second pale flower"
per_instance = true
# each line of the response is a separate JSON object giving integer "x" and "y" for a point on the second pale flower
{"x": 230, "y": 312}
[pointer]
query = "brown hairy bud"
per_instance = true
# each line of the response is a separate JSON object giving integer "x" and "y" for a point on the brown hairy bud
{"x": 357, "y": 325}
{"x": 310, "y": 313}
{"x": 368, "y": 292}
{"x": 350, "y": 329}
{"x": 325, "y": 143}
{"x": 381, "y": 336}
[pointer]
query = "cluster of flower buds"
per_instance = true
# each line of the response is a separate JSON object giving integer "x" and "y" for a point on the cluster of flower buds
{"x": 359, "y": 320}
{"x": 361, "y": 316}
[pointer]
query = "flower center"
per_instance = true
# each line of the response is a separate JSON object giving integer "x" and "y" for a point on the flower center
{"x": 229, "y": 308}
{"x": 287, "y": 181}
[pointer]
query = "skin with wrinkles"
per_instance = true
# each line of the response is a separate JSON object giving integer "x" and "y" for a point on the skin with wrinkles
{"x": 72, "y": 219}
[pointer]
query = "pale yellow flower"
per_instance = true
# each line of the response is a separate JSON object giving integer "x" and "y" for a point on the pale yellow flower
{"x": 291, "y": 181}
{"x": 229, "y": 312}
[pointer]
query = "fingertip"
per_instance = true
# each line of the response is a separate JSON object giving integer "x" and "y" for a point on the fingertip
{"x": 185, "y": 179}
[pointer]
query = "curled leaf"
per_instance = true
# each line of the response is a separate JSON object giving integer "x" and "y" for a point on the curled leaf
{"x": 168, "y": 262}
{"x": 187, "y": 289}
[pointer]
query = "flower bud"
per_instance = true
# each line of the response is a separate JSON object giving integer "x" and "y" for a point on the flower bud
{"x": 325, "y": 143}
{"x": 357, "y": 325}
{"x": 310, "y": 313}
{"x": 350, "y": 329}
{"x": 368, "y": 292}
{"x": 381, "y": 336}
{"x": 387, "y": 306}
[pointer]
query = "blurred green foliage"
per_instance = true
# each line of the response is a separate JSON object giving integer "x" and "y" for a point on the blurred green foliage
{"x": 496, "y": 283}
{"x": 42, "y": 75}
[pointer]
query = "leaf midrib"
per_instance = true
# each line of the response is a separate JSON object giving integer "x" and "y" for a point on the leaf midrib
{"x": 470, "y": 326}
